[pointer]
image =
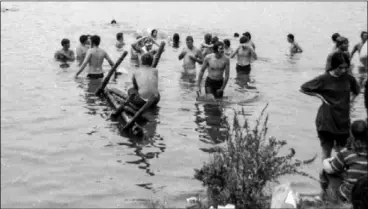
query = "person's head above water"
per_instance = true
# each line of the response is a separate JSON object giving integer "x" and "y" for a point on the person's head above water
{"x": 290, "y": 38}
{"x": 65, "y": 43}
{"x": 83, "y": 39}
{"x": 247, "y": 34}
{"x": 218, "y": 48}
{"x": 95, "y": 40}
{"x": 335, "y": 36}
{"x": 364, "y": 35}
{"x": 342, "y": 43}
{"x": 207, "y": 38}
{"x": 236, "y": 35}
{"x": 340, "y": 62}
{"x": 147, "y": 59}
{"x": 113, "y": 22}
{"x": 189, "y": 40}
{"x": 154, "y": 33}
{"x": 243, "y": 40}
{"x": 226, "y": 43}
{"x": 176, "y": 39}
{"x": 119, "y": 36}
{"x": 214, "y": 40}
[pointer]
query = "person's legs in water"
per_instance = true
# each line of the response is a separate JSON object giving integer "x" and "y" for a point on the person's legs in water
{"x": 244, "y": 71}
{"x": 211, "y": 87}
{"x": 327, "y": 143}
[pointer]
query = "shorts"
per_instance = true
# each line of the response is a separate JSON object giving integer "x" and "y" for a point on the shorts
{"x": 137, "y": 100}
{"x": 328, "y": 139}
{"x": 211, "y": 86}
{"x": 243, "y": 69}
{"x": 95, "y": 76}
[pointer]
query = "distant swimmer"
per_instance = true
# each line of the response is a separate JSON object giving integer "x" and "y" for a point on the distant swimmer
{"x": 206, "y": 46}
{"x": 113, "y": 22}
{"x": 358, "y": 46}
{"x": 227, "y": 48}
{"x": 120, "y": 40}
{"x": 342, "y": 45}
{"x": 65, "y": 54}
{"x": 245, "y": 54}
{"x": 94, "y": 58}
{"x": 217, "y": 64}
{"x": 334, "y": 38}
{"x": 247, "y": 34}
{"x": 294, "y": 47}
{"x": 145, "y": 82}
{"x": 82, "y": 48}
{"x": 191, "y": 55}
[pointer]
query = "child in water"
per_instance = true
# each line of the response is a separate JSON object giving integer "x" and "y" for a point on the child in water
{"x": 294, "y": 47}
{"x": 119, "y": 40}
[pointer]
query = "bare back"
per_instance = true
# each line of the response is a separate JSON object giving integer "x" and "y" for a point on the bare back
{"x": 96, "y": 60}
{"x": 216, "y": 67}
{"x": 147, "y": 81}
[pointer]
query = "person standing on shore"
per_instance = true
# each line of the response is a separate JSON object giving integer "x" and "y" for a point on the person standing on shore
{"x": 334, "y": 88}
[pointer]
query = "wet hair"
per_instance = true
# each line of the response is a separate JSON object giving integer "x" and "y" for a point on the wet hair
{"x": 83, "y": 38}
{"x": 244, "y": 40}
{"x": 147, "y": 59}
{"x": 119, "y": 36}
{"x": 339, "y": 58}
{"x": 207, "y": 37}
{"x": 359, "y": 193}
{"x": 189, "y": 38}
{"x": 64, "y": 41}
{"x": 113, "y": 21}
{"x": 95, "y": 40}
{"x": 291, "y": 36}
{"x": 214, "y": 40}
{"x": 227, "y": 42}
{"x": 362, "y": 33}
{"x": 340, "y": 40}
{"x": 217, "y": 45}
{"x": 247, "y": 34}
{"x": 153, "y": 31}
{"x": 236, "y": 35}
{"x": 335, "y": 36}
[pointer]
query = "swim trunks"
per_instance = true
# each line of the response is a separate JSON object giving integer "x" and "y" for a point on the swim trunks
{"x": 139, "y": 101}
{"x": 95, "y": 76}
{"x": 243, "y": 69}
{"x": 211, "y": 86}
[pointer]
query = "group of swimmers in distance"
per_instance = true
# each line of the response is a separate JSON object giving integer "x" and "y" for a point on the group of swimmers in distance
{"x": 334, "y": 87}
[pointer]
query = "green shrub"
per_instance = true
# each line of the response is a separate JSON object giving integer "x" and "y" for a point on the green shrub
{"x": 239, "y": 173}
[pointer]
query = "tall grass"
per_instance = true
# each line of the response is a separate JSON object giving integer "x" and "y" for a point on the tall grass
{"x": 239, "y": 173}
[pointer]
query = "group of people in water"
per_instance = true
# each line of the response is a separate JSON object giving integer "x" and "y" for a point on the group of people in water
{"x": 336, "y": 87}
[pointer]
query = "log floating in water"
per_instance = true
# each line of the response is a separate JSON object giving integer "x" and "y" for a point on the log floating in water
{"x": 124, "y": 117}
{"x": 158, "y": 55}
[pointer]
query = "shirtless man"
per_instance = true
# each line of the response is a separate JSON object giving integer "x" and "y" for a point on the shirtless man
{"x": 141, "y": 46}
{"x": 191, "y": 55}
{"x": 119, "y": 40}
{"x": 358, "y": 46}
{"x": 294, "y": 47}
{"x": 217, "y": 64}
{"x": 245, "y": 55}
{"x": 65, "y": 54}
{"x": 95, "y": 57}
{"x": 247, "y": 34}
{"x": 145, "y": 82}
{"x": 82, "y": 49}
{"x": 342, "y": 45}
{"x": 206, "y": 46}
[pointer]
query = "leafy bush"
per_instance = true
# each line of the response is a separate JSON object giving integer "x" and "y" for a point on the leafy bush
{"x": 239, "y": 173}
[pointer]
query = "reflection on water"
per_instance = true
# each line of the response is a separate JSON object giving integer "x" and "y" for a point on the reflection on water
{"x": 187, "y": 82}
{"x": 211, "y": 123}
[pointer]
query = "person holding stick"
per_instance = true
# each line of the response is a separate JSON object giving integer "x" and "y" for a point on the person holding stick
{"x": 95, "y": 57}
{"x": 337, "y": 89}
